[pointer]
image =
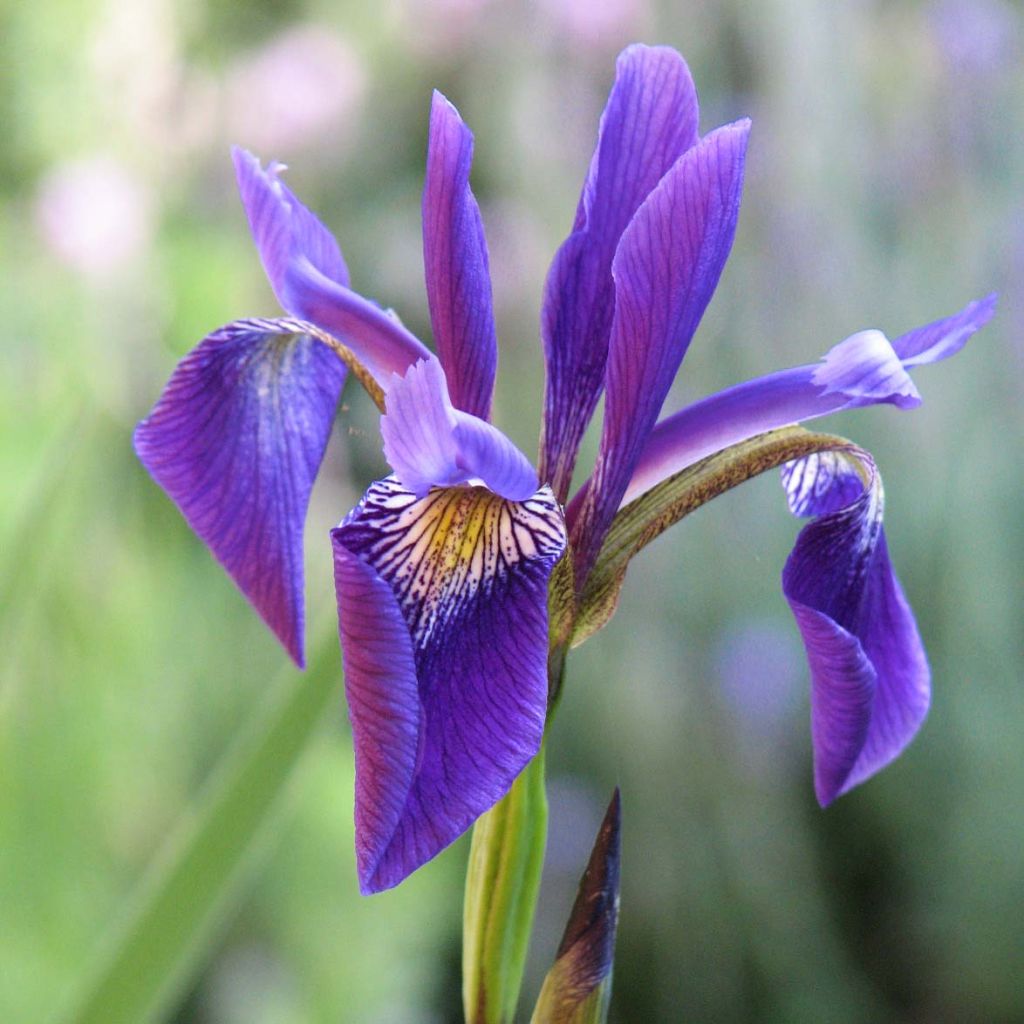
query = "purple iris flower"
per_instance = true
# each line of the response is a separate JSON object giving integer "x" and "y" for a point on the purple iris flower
{"x": 442, "y": 570}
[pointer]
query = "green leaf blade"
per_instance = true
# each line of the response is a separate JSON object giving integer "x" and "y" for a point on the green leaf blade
{"x": 185, "y": 894}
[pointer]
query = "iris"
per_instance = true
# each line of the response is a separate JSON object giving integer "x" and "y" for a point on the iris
{"x": 445, "y": 569}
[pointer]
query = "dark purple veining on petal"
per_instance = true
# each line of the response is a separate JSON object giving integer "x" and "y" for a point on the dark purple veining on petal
{"x": 666, "y": 268}
{"x": 236, "y": 440}
{"x": 870, "y": 681}
{"x": 458, "y": 583}
{"x": 650, "y": 120}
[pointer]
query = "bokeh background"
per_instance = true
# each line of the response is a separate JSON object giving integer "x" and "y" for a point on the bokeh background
{"x": 884, "y": 189}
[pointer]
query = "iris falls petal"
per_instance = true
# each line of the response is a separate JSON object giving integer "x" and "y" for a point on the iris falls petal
{"x": 455, "y": 261}
{"x": 870, "y": 682}
{"x": 666, "y": 268}
{"x": 442, "y": 604}
{"x": 236, "y": 440}
{"x": 650, "y": 120}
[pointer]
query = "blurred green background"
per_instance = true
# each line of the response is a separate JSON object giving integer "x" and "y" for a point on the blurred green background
{"x": 884, "y": 189}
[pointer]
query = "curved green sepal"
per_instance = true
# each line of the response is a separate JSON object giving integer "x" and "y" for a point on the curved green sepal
{"x": 578, "y": 987}
{"x": 502, "y": 880}
{"x": 650, "y": 515}
{"x": 561, "y": 602}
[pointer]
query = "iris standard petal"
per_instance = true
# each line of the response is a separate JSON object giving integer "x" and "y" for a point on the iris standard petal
{"x": 650, "y": 120}
{"x": 862, "y": 370}
{"x": 448, "y": 701}
{"x": 870, "y": 682}
{"x": 309, "y": 278}
{"x": 429, "y": 443}
{"x": 455, "y": 261}
{"x": 666, "y": 268}
{"x": 236, "y": 440}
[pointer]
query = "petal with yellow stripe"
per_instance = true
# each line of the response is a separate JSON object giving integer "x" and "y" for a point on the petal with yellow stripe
{"x": 442, "y": 606}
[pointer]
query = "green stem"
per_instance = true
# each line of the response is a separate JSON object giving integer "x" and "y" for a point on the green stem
{"x": 502, "y": 880}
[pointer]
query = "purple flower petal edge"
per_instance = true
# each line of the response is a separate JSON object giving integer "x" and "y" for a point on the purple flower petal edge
{"x": 666, "y": 268}
{"x": 236, "y": 440}
{"x": 943, "y": 338}
{"x": 870, "y": 681}
{"x": 309, "y": 278}
{"x": 429, "y": 443}
{"x": 456, "y": 265}
{"x": 442, "y": 606}
{"x": 649, "y": 121}
{"x": 858, "y": 371}
{"x": 282, "y": 227}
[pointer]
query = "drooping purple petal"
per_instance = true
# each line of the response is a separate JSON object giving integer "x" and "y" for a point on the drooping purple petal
{"x": 791, "y": 396}
{"x": 821, "y": 482}
{"x": 442, "y": 605}
{"x": 309, "y": 278}
{"x": 455, "y": 260}
{"x": 236, "y": 440}
{"x": 384, "y": 705}
{"x": 650, "y": 120}
{"x": 429, "y": 443}
{"x": 870, "y": 682}
{"x": 666, "y": 268}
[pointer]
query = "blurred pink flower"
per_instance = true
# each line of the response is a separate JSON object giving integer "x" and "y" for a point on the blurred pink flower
{"x": 977, "y": 37}
{"x": 94, "y": 215}
{"x": 305, "y": 85}
{"x": 438, "y": 27}
{"x": 596, "y": 24}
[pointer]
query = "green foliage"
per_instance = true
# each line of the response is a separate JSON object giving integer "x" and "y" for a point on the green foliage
{"x": 169, "y": 922}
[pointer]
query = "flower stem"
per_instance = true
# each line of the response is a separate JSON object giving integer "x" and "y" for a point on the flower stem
{"x": 502, "y": 880}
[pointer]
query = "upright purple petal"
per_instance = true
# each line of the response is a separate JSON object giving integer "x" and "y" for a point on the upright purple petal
{"x": 236, "y": 440}
{"x": 442, "y": 605}
{"x": 283, "y": 228}
{"x": 650, "y": 120}
{"x": 870, "y": 682}
{"x": 666, "y": 268}
{"x": 429, "y": 443}
{"x": 862, "y": 370}
{"x": 455, "y": 260}
{"x": 309, "y": 277}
